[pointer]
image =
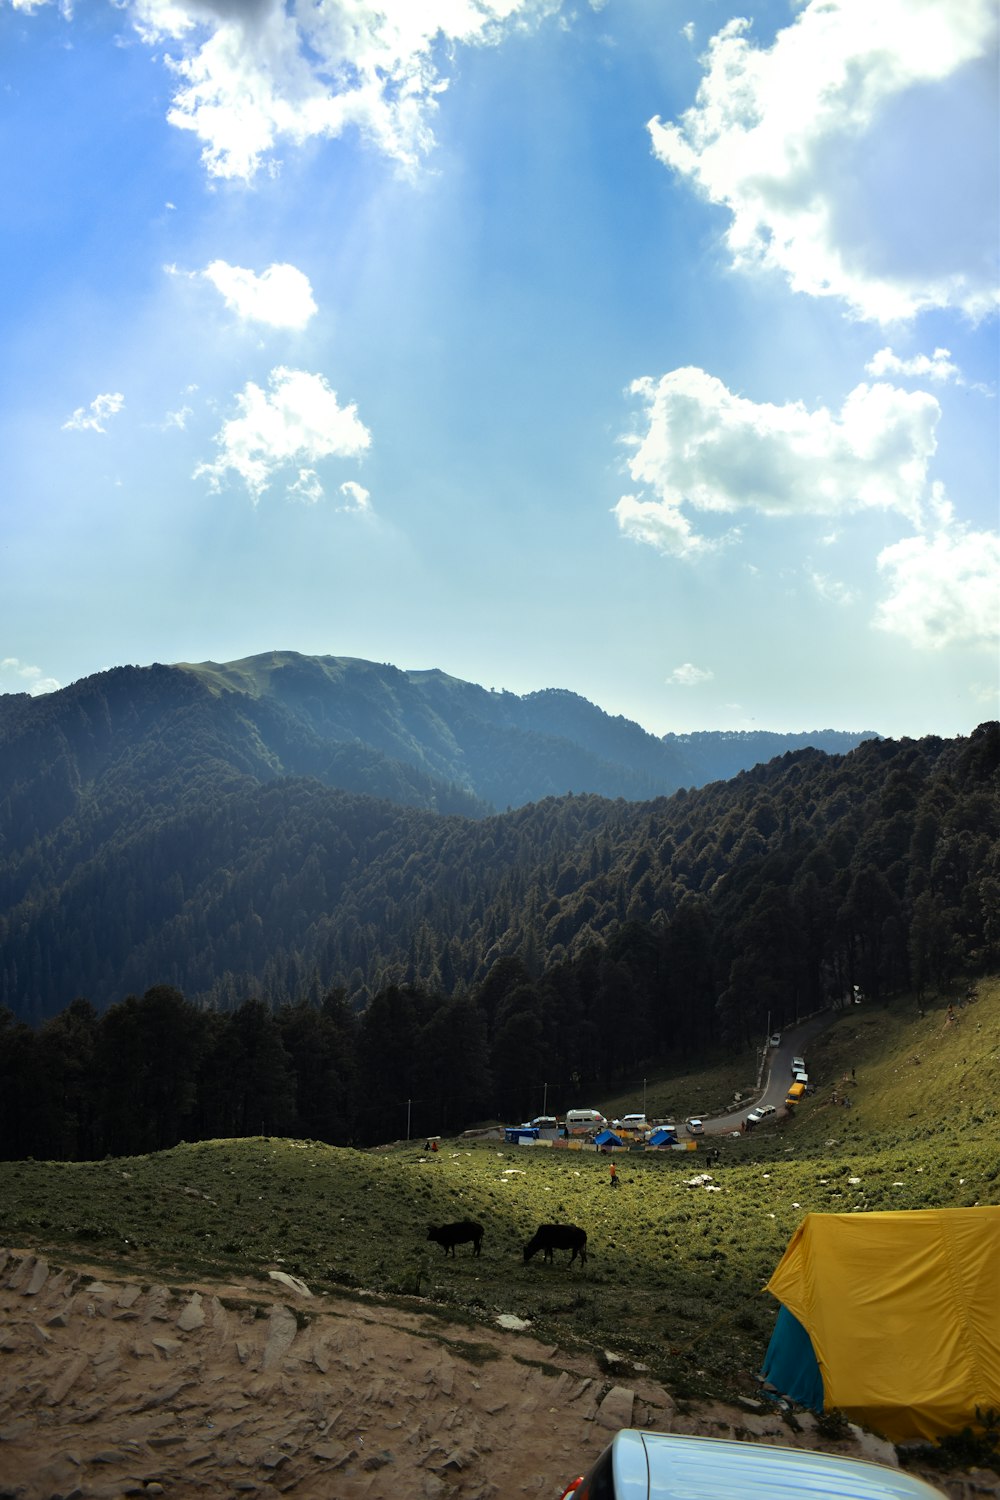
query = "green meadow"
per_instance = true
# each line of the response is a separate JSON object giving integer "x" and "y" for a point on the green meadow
{"x": 676, "y": 1269}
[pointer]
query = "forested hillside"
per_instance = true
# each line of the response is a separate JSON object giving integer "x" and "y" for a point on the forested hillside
{"x": 158, "y": 857}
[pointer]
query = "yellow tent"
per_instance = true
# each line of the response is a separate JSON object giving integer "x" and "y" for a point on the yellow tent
{"x": 903, "y": 1314}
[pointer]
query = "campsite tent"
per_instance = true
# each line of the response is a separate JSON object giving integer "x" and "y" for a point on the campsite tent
{"x": 893, "y": 1318}
{"x": 663, "y": 1137}
{"x": 608, "y": 1138}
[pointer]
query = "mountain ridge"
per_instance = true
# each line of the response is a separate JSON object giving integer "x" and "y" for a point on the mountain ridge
{"x": 473, "y": 737}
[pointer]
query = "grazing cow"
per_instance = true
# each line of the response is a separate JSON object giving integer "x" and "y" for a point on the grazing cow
{"x": 459, "y": 1233}
{"x": 549, "y": 1237}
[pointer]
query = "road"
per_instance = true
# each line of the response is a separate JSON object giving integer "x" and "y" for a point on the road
{"x": 794, "y": 1043}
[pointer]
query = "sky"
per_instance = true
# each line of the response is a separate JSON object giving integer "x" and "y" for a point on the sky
{"x": 643, "y": 348}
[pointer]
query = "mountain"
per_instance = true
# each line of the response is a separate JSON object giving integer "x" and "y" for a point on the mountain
{"x": 202, "y": 827}
{"x": 500, "y": 747}
{"x": 503, "y": 749}
{"x": 719, "y": 754}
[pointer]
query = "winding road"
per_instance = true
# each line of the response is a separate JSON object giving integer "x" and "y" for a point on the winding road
{"x": 794, "y": 1043}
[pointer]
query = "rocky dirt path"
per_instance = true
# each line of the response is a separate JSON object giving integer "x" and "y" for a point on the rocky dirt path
{"x": 120, "y": 1388}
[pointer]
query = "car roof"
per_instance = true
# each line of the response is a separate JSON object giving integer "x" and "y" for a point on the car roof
{"x": 672, "y": 1466}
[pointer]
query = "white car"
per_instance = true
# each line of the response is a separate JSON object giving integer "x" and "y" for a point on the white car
{"x": 798, "y": 1064}
{"x": 755, "y": 1116}
{"x": 765, "y": 1109}
{"x": 694, "y": 1126}
{"x": 775, "y": 1039}
{"x": 675, "y": 1466}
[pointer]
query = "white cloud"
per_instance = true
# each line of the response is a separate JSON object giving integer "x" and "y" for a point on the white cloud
{"x": 177, "y": 419}
{"x": 853, "y": 154}
{"x": 298, "y": 421}
{"x": 307, "y": 487}
{"x": 37, "y": 684}
{"x": 832, "y": 589}
{"x": 944, "y": 588}
{"x": 254, "y": 73}
{"x": 687, "y": 31}
{"x": 660, "y": 525}
{"x": 688, "y": 675}
{"x": 937, "y": 366}
{"x": 30, "y": 6}
{"x": 280, "y": 296}
{"x": 92, "y": 418}
{"x": 356, "y": 496}
{"x": 712, "y": 450}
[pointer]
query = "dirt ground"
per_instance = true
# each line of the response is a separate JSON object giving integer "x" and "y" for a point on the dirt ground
{"x": 115, "y": 1388}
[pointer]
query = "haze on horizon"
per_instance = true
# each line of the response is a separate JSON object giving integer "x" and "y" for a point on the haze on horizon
{"x": 625, "y": 346}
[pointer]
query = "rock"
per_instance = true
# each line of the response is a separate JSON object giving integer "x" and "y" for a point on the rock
{"x": 292, "y": 1282}
{"x": 273, "y": 1460}
{"x": 65, "y": 1382}
{"x": 21, "y": 1272}
{"x": 616, "y": 1409}
{"x": 283, "y": 1329}
{"x": 874, "y": 1448}
{"x": 39, "y": 1276}
{"x": 158, "y": 1306}
{"x": 193, "y": 1315}
{"x": 167, "y": 1347}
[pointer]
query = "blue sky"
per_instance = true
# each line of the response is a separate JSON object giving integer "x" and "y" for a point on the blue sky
{"x": 640, "y": 348}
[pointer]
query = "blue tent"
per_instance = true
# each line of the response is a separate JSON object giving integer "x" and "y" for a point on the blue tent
{"x": 790, "y": 1363}
{"x": 608, "y": 1138}
{"x": 663, "y": 1137}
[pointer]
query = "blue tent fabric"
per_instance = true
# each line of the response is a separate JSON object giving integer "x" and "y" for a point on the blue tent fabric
{"x": 663, "y": 1137}
{"x": 608, "y": 1138}
{"x": 790, "y": 1363}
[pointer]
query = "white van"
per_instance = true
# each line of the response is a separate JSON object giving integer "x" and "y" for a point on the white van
{"x": 583, "y": 1121}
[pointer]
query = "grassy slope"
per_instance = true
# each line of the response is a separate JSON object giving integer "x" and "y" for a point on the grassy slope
{"x": 676, "y": 1272}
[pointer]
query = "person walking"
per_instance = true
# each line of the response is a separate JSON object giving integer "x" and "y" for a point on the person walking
{"x": 614, "y": 1175}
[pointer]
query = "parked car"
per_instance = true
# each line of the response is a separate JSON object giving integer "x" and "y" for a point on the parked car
{"x": 775, "y": 1039}
{"x": 542, "y": 1122}
{"x": 798, "y": 1064}
{"x": 694, "y": 1125}
{"x": 755, "y": 1116}
{"x": 765, "y": 1109}
{"x": 675, "y": 1466}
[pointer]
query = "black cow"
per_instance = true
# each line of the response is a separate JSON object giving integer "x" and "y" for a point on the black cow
{"x": 549, "y": 1237}
{"x": 459, "y": 1233}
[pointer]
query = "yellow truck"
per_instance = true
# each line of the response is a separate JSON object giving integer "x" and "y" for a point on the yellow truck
{"x": 795, "y": 1093}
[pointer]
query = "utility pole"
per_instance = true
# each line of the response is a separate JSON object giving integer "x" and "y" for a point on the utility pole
{"x": 644, "y": 1096}
{"x": 545, "y": 1098}
{"x": 408, "y": 1103}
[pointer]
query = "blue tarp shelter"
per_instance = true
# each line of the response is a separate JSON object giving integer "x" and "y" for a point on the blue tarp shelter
{"x": 663, "y": 1137}
{"x": 608, "y": 1138}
